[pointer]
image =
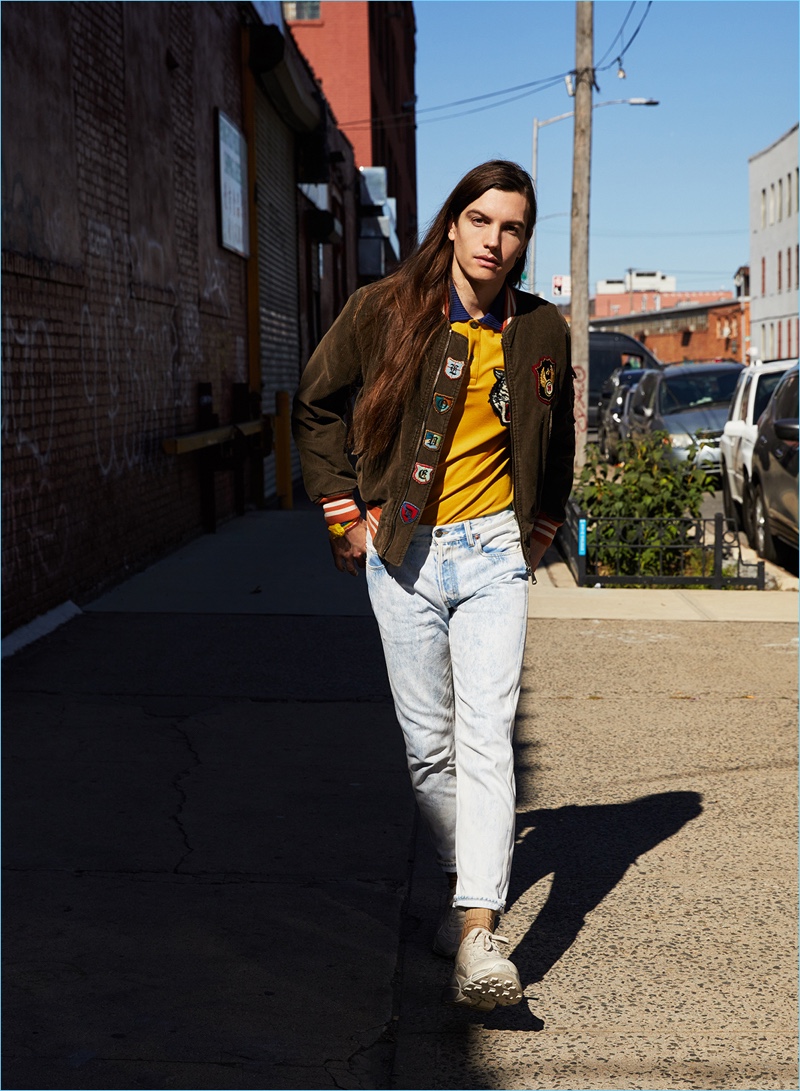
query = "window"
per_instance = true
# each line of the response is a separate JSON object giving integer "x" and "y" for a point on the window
{"x": 789, "y": 338}
{"x": 780, "y": 270}
{"x": 763, "y": 208}
{"x": 780, "y": 339}
{"x": 763, "y": 276}
{"x": 788, "y": 194}
{"x": 786, "y": 398}
{"x": 301, "y": 11}
{"x": 780, "y": 199}
{"x": 772, "y": 203}
{"x": 789, "y": 269}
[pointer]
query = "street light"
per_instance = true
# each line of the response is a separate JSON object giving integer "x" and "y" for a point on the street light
{"x": 537, "y": 125}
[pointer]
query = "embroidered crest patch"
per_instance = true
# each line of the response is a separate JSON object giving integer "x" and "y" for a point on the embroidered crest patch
{"x": 442, "y": 403}
{"x": 545, "y": 372}
{"x": 498, "y": 397}
{"x": 432, "y": 440}
{"x": 408, "y": 512}
{"x": 453, "y": 368}
{"x": 422, "y": 473}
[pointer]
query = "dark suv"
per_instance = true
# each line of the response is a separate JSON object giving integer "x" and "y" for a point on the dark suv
{"x": 772, "y": 496}
{"x": 608, "y": 352}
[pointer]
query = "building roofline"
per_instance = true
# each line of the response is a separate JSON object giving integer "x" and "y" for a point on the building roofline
{"x": 665, "y": 312}
{"x": 774, "y": 144}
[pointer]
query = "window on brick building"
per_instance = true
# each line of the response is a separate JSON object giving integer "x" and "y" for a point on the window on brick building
{"x": 780, "y": 338}
{"x": 301, "y": 11}
{"x": 789, "y": 269}
{"x": 789, "y": 338}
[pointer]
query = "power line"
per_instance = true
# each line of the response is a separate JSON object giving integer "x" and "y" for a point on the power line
{"x": 526, "y": 88}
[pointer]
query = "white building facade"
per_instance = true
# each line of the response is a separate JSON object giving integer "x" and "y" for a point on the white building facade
{"x": 774, "y": 261}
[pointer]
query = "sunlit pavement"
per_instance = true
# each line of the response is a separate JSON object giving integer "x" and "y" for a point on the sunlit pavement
{"x": 214, "y": 880}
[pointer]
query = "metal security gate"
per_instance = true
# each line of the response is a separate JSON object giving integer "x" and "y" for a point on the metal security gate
{"x": 276, "y": 212}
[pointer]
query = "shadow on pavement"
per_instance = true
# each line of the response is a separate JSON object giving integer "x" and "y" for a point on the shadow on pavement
{"x": 587, "y": 850}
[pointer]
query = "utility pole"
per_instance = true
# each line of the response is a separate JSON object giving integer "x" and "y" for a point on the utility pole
{"x": 579, "y": 234}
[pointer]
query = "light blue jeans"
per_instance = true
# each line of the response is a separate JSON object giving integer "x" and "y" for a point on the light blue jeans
{"x": 453, "y": 619}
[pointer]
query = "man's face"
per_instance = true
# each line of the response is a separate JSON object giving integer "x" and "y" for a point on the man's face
{"x": 489, "y": 237}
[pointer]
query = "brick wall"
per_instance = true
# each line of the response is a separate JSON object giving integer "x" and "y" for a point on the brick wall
{"x": 117, "y": 299}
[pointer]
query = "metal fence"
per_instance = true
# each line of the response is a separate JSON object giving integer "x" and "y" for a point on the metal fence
{"x": 685, "y": 552}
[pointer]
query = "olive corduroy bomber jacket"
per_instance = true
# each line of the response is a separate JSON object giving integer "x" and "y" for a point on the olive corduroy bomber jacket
{"x": 539, "y": 381}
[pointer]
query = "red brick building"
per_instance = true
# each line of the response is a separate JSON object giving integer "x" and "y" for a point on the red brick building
{"x": 710, "y": 331}
{"x": 179, "y": 228}
{"x": 363, "y": 57}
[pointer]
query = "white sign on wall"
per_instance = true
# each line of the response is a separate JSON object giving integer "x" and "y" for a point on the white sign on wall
{"x": 232, "y": 152}
{"x": 562, "y": 286}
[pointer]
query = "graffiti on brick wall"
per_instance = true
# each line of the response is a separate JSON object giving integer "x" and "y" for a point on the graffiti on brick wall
{"x": 215, "y": 284}
{"x": 581, "y": 382}
{"x": 137, "y": 353}
{"x": 28, "y": 228}
{"x": 37, "y": 530}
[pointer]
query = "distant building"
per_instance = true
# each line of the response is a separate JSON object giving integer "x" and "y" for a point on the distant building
{"x": 363, "y": 57}
{"x": 698, "y": 331}
{"x": 774, "y": 201}
{"x": 640, "y": 292}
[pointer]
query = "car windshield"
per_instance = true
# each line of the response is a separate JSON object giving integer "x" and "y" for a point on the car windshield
{"x": 682, "y": 392}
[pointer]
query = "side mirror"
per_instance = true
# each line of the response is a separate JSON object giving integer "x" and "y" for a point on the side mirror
{"x": 734, "y": 428}
{"x": 786, "y": 429}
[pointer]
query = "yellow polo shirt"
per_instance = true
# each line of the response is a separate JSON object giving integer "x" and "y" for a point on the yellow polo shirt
{"x": 473, "y": 475}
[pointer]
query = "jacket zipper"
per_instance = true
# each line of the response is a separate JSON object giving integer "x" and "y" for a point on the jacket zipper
{"x": 514, "y": 481}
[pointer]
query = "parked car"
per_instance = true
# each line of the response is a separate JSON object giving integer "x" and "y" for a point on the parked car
{"x": 750, "y": 398}
{"x": 690, "y": 402}
{"x": 607, "y": 352}
{"x": 612, "y": 421}
{"x": 772, "y": 495}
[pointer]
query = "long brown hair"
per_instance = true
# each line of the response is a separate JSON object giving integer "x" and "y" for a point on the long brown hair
{"x": 410, "y": 303}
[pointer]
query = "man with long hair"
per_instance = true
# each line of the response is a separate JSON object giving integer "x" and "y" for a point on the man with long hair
{"x": 445, "y": 397}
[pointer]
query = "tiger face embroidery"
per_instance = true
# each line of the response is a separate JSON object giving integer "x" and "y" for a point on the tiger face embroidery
{"x": 499, "y": 399}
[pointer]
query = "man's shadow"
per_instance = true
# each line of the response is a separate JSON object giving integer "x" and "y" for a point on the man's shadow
{"x": 587, "y": 850}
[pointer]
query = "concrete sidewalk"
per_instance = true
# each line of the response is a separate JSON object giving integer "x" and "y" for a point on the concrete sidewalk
{"x": 214, "y": 879}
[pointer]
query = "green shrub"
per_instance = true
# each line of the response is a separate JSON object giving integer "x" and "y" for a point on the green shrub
{"x": 648, "y": 484}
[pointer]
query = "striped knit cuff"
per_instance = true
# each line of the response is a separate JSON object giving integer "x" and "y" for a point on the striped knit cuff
{"x": 340, "y": 509}
{"x": 544, "y": 529}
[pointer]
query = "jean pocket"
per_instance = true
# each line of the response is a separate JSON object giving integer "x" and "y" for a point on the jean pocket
{"x": 498, "y": 539}
{"x": 374, "y": 561}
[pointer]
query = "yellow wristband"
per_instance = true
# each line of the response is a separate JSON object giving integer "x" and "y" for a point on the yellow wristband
{"x": 338, "y": 530}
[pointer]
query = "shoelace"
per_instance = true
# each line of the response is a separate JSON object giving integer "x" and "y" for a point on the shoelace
{"x": 489, "y": 939}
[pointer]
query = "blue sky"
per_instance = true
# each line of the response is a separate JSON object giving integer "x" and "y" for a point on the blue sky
{"x": 669, "y": 183}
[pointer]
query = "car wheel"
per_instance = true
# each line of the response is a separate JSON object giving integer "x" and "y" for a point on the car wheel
{"x": 728, "y": 505}
{"x": 612, "y": 451}
{"x": 747, "y": 513}
{"x": 762, "y": 537}
{"x": 601, "y": 442}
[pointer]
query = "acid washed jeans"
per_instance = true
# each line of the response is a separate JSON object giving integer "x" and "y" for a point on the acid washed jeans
{"x": 452, "y": 618}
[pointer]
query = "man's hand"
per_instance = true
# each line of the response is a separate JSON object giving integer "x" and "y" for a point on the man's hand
{"x": 350, "y": 551}
{"x": 537, "y": 551}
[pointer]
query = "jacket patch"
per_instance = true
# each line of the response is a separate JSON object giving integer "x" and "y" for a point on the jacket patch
{"x": 408, "y": 512}
{"x": 432, "y": 440}
{"x": 498, "y": 397}
{"x": 545, "y": 372}
{"x": 442, "y": 403}
{"x": 422, "y": 473}
{"x": 453, "y": 368}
